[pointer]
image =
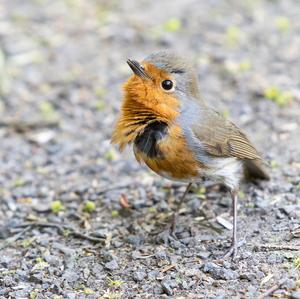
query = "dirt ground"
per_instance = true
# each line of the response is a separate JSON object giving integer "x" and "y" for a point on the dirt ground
{"x": 80, "y": 220}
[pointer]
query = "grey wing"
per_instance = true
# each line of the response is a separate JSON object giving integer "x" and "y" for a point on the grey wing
{"x": 220, "y": 137}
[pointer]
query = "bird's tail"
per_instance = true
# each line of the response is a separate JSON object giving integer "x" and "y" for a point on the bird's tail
{"x": 254, "y": 169}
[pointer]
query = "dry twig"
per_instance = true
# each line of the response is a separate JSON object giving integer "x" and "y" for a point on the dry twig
{"x": 13, "y": 239}
{"x": 24, "y": 126}
{"x": 61, "y": 227}
{"x": 270, "y": 247}
{"x": 271, "y": 290}
{"x": 100, "y": 192}
{"x": 168, "y": 268}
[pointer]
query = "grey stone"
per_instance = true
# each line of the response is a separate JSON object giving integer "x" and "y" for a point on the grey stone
{"x": 86, "y": 272}
{"x": 218, "y": 272}
{"x": 160, "y": 254}
{"x": 139, "y": 275}
{"x": 157, "y": 290}
{"x": 71, "y": 295}
{"x": 248, "y": 276}
{"x": 101, "y": 233}
{"x": 166, "y": 285}
{"x": 135, "y": 240}
{"x": 275, "y": 258}
{"x": 52, "y": 260}
{"x": 112, "y": 265}
{"x": 295, "y": 295}
{"x": 203, "y": 254}
{"x": 209, "y": 266}
{"x": 5, "y": 260}
{"x": 135, "y": 254}
{"x": 117, "y": 244}
{"x": 23, "y": 275}
{"x": 192, "y": 272}
{"x": 70, "y": 276}
{"x": 4, "y": 291}
{"x": 153, "y": 274}
{"x": 36, "y": 278}
{"x": 289, "y": 209}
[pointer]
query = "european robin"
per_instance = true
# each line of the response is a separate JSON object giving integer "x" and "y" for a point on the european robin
{"x": 177, "y": 135}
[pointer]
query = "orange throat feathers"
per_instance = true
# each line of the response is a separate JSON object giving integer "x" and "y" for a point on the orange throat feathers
{"x": 147, "y": 113}
{"x": 144, "y": 102}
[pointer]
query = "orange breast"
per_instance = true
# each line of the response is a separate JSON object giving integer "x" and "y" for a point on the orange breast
{"x": 177, "y": 160}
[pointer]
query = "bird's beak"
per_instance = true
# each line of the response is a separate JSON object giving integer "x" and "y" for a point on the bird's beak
{"x": 138, "y": 69}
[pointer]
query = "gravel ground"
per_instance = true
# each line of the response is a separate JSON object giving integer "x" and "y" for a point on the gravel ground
{"x": 62, "y": 63}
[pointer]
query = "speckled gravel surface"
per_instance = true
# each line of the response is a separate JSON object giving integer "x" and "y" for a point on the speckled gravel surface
{"x": 62, "y": 64}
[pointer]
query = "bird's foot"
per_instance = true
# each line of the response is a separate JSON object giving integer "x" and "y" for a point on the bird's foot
{"x": 169, "y": 233}
{"x": 232, "y": 252}
{"x": 173, "y": 225}
{"x": 166, "y": 236}
{"x": 233, "y": 249}
{"x": 172, "y": 234}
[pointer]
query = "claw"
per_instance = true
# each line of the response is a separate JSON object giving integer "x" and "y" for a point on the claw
{"x": 233, "y": 249}
{"x": 232, "y": 252}
{"x": 172, "y": 229}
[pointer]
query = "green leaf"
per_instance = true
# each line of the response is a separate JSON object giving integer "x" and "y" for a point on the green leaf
{"x": 56, "y": 206}
{"x": 19, "y": 183}
{"x": 283, "y": 24}
{"x": 100, "y": 105}
{"x": 233, "y": 35}
{"x": 33, "y": 294}
{"x": 88, "y": 291}
{"x": 89, "y": 206}
{"x": 115, "y": 283}
{"x": 274, "y": 164}
{"x": 297, "y": 262}
{"x": 245, "y": 65}
{"x": 280, "y": 97}
{"x": 110, "y": 155}
{"x": 27, "y": 242}
{"x": 172, "y": 25}
{"x": 201, "y": 190}
{"x": 114, "y": 213}
{"x": 152, "y": 210}
{"x": 47, "y": 110}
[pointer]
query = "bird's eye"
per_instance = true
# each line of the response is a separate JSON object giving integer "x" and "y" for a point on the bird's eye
{"x": 167, "y": 85}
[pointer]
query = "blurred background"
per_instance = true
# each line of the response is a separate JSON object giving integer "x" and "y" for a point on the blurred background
{"x": 62, "y": 66}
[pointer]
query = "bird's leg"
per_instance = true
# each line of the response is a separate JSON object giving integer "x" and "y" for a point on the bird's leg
{"x": 175, "y": 213}
{"x": 233, "y": 248}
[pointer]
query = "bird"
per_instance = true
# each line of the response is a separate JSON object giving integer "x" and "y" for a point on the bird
{"x": 178, "y": 135}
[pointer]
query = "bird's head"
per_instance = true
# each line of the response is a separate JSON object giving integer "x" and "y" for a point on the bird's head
{"x": 157, "y": 91}
{"x": 161, "y": 81}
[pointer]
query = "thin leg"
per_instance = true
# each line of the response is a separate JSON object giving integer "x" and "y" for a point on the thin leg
{"x": 233, "y": 248}
{"x": 175, "y": 213}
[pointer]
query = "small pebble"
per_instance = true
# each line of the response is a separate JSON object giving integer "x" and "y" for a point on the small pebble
{"x": 153, "y": 274}
{"x": 218, "y": 272}
{"x": 135, "y": 240}
{"x": 112, "y": 265}
{"x": 160, "y": 254}
{"x": 295, "y": 295}
{"x": 192, "y": 272}
{"x": 248, "y": 276}
{"x": 203, "y": 254}
{"x": 139, "y": 275}
{"x": 71, "y": 295}
{"x": 166, "y": 287}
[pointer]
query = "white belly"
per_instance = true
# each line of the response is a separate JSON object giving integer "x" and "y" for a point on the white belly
{"x": 227, "y": 171}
